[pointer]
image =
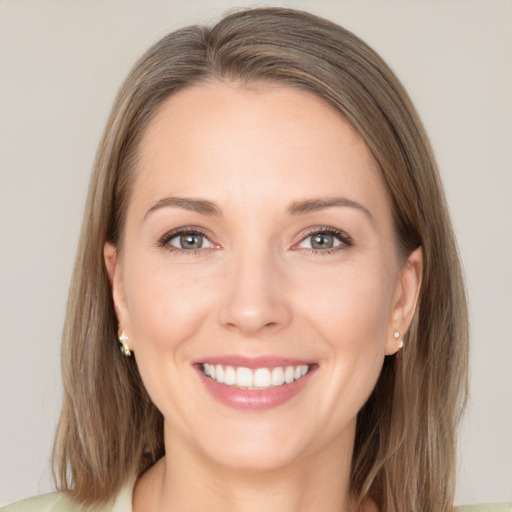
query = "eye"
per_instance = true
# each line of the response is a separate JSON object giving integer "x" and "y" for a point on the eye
{"x": 188, "y": 241}
{"x": 325, "y": 240}
{"x": 185, "y": 240}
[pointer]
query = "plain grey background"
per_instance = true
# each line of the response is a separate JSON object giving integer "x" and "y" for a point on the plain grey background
{"x": 61, "y": 63}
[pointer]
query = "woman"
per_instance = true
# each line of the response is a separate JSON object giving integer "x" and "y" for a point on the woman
{"x": 267, "y": 238}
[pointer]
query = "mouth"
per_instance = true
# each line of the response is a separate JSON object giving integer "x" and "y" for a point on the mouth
{"x": 254, "y": 383}
{"x": 254, "y": 379}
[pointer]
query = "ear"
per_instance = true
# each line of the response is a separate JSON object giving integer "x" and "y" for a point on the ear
{"x": 405, "y": 300}
{"x": 115, "y": 275}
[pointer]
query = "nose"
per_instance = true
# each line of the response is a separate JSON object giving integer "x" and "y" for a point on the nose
{"x": 256, "y": 299}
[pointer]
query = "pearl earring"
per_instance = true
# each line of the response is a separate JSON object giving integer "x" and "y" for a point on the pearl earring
{"x": 396, "y": 335}
{"x": 123, "y": 338}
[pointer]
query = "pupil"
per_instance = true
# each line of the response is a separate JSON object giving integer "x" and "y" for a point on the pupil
{"x": 322, "y": 241}
{"x": 191, "y": 241}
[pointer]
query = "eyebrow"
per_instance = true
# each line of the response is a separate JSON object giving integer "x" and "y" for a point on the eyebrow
{"x": 201, "y": 206}
{"x": 313, "y": 205}
{"x": 209, "y": 208}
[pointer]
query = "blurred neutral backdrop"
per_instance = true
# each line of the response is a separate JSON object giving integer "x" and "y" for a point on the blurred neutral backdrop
{"x": 61, "y": 62}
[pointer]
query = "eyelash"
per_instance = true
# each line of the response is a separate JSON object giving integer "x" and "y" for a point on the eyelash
{"x": 343, "y": 238}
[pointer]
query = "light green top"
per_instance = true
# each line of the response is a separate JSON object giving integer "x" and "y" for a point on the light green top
{"x": 58, "y": 502}
{"x": 487, "y": 507}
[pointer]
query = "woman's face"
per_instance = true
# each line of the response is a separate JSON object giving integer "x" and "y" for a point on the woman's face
{"x": 258, "y": 247}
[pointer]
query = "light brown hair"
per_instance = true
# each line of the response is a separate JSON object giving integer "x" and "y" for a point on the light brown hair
{"x": 404, "y": 456}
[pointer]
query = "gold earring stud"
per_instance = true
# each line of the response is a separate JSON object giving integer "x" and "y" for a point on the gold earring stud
{"x": 123, "y": 338}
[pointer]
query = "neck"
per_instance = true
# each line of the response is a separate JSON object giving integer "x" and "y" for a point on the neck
{"x": 188, "y": 481}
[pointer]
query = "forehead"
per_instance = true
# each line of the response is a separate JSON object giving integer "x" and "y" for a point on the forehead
{"x": 223, "y": 140}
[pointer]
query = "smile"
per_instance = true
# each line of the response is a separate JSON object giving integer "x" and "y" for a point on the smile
{"x": 260, "y": 378}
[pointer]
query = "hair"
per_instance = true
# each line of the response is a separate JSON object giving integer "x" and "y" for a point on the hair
{"x": 404, "y": 454}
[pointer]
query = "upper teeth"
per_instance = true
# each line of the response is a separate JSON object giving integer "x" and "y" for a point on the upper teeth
{"x": 261, "y": 378}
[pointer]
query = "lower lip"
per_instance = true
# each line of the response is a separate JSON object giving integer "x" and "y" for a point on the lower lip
{"x": 254, "y": 399}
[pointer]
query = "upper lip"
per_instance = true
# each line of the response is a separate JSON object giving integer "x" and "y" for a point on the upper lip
{"x": 253, "y": 362}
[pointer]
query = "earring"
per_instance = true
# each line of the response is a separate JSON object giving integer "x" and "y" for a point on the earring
{"x": 123, "y": 338}
{"x": 396, "y": 335}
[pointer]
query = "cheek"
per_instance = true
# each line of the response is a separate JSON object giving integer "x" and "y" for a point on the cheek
{"x": 350, "y": 315}
{"x": 352, "y": 307}
{"x": 165, "y": 303}
{"x": 165, "y": 307}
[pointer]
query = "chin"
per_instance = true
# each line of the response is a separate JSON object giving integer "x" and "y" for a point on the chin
{"x": 269, "y": 446}
{"x": 256, "y": 457}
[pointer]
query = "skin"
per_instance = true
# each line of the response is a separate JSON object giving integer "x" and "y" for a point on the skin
{"x": 256, "y": 288}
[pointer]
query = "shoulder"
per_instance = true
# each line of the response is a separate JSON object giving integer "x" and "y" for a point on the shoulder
{"x": 488, "y": 507}
{"x": 53, "y": 502}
